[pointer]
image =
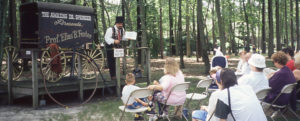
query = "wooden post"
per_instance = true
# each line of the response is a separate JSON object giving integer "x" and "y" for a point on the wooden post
{"x": 10, "y": 78}
{"x": 79, "y": 78}
{"x": 148, "y": 66}
{"x": 35, "y": 95}
{"x": 118, "y": 89}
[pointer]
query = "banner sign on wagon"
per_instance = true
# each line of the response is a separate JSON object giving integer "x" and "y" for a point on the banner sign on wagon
{"x": 67, "y": 29}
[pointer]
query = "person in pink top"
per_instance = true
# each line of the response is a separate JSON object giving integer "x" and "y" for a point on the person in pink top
{"x": 172, "y": 76}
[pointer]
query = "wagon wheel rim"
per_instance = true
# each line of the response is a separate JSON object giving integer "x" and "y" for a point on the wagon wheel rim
{"x": 87, "y": 67}
{"x": 17, "y": 64}
{"x": 51, "y": 76}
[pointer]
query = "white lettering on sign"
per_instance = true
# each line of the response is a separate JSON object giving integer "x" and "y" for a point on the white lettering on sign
{"x": 118, "y": 53}
{"x": 45, "y": 14}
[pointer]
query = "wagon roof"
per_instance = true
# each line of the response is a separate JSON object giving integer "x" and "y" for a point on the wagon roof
{"x": 60, "y": 7}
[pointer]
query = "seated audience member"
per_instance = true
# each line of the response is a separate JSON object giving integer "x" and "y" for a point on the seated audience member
{"x": 172, "y": 76}
{"x": 289, "y": 52}
{"x": 212, "y": 74}
{"x": 245, "y": 67}
{"x": 279, "y": 79}
{"x": 206, "y": 112}
{"x": 236, "y": 102}
{"x": 133, "y": 103}
{"x": 297, "y": 67}
{"x": 241, "y": 61}
{"x": 297, "y": 73}
{"x": 256, "y": 78}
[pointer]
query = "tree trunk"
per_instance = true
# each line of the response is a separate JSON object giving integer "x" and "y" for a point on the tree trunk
{"x": 180, "y": 35}
{"x": 297, "y": 25}
{"x": 201, "y": 36}
{"x": 263, "y": 28}
{"x": 286, "y": 39}
{"x": 139, "y": 31}
{"x": 278, "y": 43}
{"x": 194, "y": 32}
{"x": 247, "y": 23}
{"x": 221, "y": 27}
{"x": 94, "y": 4}
{"x": 271, "y": 31}
{"x": 188, "y": 41}
{"x": 161, "y": 31}
{"x": 143, "y": 29}
{"x": 172, "y": 49}
{"x": 213, "y": 28}
{"x": 292, "y": 23}
{"x": 232, "y": 38}
{"x": 104, "y": 27}
{"x": 176, "y": 31}
{"x": 13, "y": 23}
{"x": 199, "y": 44}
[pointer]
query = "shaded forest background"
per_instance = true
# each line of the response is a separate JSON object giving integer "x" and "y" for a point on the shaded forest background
{"x": 184, "y": 28}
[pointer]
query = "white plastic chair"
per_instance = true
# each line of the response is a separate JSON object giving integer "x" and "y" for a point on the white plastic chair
{"x": 139, "y": 93}
{"x": 261, "y": 94}
{"x": 201, "y": 84}
{"x": 178, "y": 88}
{"x": 287, "y": 89}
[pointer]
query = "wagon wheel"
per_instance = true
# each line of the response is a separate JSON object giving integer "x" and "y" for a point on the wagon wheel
{"x": 48, "y": 72}
{"x": 17, "y": 64}
{"x": 87, "y": 68}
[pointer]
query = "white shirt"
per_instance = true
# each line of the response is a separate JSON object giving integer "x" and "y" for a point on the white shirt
{"x": 240, "y": 64}
{"x": 127, "y": 89}
{"x": 257, "y": 80}
{"x": 246, "y": 68}
{"x": 212, "y": 106}
{"x": 244, "y": 104}
{"x": 108, "y": 35}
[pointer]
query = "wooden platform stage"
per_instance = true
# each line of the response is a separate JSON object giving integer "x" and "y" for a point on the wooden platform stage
{"x": 64, "y": 85}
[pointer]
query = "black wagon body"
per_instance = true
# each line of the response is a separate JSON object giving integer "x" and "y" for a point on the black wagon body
{"x": 43, "y": 23}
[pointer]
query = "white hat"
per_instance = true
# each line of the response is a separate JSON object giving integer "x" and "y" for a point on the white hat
{"x": 257, "y": 60}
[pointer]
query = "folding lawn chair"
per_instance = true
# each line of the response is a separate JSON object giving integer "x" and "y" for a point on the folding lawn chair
{"x": 219, "y": 61}
{"x": 199, "y": 96}
{"x": 261, "y": 94}
{"x": 139, "y": 93}
{"x": 177, "y": 88}
{"x": 287, "y": 89}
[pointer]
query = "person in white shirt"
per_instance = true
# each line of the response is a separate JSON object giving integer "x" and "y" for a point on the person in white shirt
{"x": 113, "y": 37}
{"x": 245, "y": 69}
{"x": 236, "y": 102}
{"x": 206, "y": 112}
{"x": 134, "y": 103}
{"x": 241, "y": 61}
{"x": 256, "y": 78}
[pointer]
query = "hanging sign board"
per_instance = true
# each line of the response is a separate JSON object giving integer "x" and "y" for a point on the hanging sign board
{"x": 118, "y": 53}
{"x": 130, "y": 35}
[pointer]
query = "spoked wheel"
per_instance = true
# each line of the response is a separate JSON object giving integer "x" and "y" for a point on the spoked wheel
{"x": 74, "y": 76}
{"x": 57, "y": 69}
{"x": 87, "y": 67}
{"x": 17, "y": 64}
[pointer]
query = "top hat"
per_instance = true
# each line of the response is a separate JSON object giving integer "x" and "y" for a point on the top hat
{"x": 119, "y": 19}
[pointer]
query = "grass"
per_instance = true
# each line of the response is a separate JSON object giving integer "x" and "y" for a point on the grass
{"x": 106, "y": 109}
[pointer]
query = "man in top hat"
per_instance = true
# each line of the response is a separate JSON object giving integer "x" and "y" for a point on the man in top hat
{"x": 113, "y": 37}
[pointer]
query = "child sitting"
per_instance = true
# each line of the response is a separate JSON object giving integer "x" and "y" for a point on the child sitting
{"x": 134, "y": 103}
